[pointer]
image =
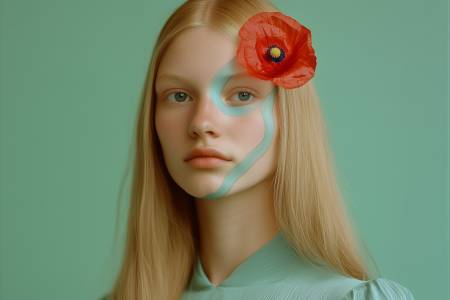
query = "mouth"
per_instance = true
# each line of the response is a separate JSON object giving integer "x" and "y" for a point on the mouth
{"x": 206, "y": 162}
{"x": 206, "y": 157}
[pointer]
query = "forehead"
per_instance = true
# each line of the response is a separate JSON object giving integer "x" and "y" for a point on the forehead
{"x": 197, "y": 53}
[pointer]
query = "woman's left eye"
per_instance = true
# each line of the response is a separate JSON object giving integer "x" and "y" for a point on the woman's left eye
{"x": 243, "y": 96}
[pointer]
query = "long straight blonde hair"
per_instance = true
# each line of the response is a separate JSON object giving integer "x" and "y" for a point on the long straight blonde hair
{"x": 162, "y": 231}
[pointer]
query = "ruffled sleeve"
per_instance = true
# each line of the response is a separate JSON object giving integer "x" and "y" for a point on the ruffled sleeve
{"x": 379, "y": 289}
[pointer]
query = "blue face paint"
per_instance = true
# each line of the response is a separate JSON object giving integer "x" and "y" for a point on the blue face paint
{"x": 266, "y": 108}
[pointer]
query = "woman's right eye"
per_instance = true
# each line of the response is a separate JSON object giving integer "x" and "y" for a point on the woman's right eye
{"x": 178, "y": 96}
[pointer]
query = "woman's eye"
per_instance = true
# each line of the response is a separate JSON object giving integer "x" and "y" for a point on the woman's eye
{"x": 178, "y": 96}
{"x": 243, "y": 96}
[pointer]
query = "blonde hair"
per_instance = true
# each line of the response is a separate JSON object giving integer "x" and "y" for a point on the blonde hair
{"x": 162, "y": 231}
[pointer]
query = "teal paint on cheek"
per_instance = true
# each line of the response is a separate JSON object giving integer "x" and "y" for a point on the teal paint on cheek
{"x": 266, "y": 108}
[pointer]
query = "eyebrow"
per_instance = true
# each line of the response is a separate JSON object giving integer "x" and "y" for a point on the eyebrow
{"x": 187, "y": 80}
{"x": 173, "y": 77}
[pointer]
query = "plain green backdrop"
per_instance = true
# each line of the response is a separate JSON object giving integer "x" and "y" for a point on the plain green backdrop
{"x": 71, "y": 74}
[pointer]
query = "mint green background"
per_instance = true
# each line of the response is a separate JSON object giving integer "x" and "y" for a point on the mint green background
{"x": 70, "y": 79}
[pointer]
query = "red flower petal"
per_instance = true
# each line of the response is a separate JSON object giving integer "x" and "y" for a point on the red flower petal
{"x": 267, "y": 29}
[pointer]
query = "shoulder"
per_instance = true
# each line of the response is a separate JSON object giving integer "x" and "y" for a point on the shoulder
{"x": 339, "y": 287}
{"x": 378, "y": 289}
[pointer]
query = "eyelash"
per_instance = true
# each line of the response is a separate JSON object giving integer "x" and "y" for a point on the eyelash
{"x": 237, "y": 92}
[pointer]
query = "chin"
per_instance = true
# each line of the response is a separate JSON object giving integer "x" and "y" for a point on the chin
{"x": 200, "y": 193}
{"x": 201, "y": 186}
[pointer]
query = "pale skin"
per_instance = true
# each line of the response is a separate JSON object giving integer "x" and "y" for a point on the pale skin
{"x": 236, "y": 225}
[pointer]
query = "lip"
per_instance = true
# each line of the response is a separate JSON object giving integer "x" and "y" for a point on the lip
{"x": 206, "y": 153}
{"x": 206, "y": 162}
{"x": 205, "y": 158}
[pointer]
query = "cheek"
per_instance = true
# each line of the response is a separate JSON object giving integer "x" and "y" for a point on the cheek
{"x": 166, "y": 128}
{"x": 248, "y": 131}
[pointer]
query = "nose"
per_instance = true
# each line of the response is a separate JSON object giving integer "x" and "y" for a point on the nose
{"x": 204, "y": 118}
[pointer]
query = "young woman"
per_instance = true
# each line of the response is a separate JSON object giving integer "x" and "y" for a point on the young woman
{"x": 234, "y": 194}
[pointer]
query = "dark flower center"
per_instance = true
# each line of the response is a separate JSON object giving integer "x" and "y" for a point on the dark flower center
{"x": 275, "y": 53}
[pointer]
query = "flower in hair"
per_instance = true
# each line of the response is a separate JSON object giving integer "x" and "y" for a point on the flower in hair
{"x": 273, "y": 46}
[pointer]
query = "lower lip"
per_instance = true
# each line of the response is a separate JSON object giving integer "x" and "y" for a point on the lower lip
{"x": 206, "y": 162}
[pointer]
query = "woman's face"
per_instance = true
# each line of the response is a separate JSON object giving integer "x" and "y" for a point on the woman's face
{"x": 206, "y": 100}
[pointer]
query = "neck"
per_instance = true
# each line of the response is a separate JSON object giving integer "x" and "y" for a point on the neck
{"x": 233, "y": 227}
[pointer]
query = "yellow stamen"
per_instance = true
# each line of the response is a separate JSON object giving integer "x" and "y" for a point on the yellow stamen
{"x": 275, "y": 52}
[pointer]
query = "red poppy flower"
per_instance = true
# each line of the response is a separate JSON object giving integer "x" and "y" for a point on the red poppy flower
{"x": 276, "y": 47}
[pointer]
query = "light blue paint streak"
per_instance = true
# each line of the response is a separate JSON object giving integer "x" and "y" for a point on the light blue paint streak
{"x": 266, "y": 107}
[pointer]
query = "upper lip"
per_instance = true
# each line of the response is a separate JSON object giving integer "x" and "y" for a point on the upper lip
{"x": 205, "y": 152}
